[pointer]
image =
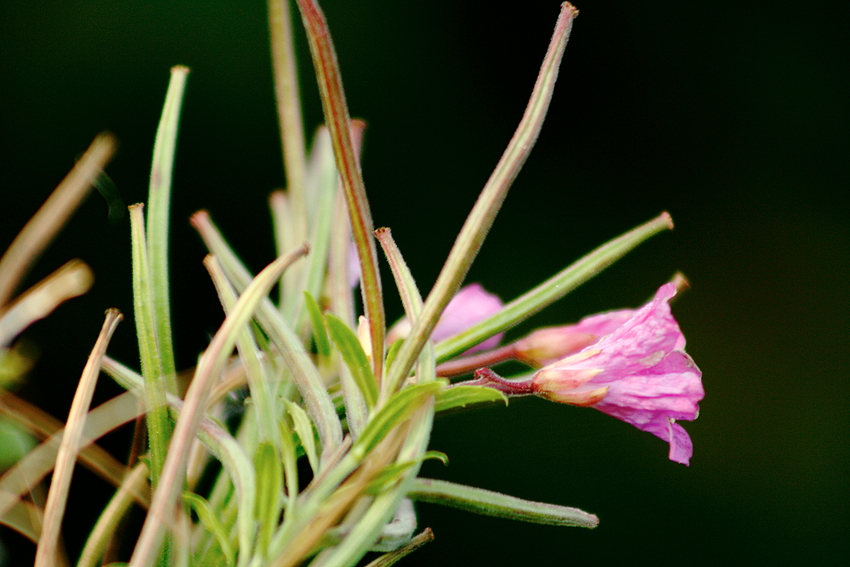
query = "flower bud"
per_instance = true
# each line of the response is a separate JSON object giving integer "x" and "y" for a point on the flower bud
{"x": 545, "y": 346}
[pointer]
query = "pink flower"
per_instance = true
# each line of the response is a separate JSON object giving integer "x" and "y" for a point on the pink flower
{"x": 639, "y": 373}
{"x": 471, "y": 305}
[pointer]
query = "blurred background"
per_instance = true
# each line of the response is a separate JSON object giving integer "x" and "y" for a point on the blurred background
{"x": 731, "y": 116}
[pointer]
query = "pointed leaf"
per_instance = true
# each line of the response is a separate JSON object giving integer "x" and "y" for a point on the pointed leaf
{"x": 320, "y": 332}
{"x": 352, "y": 353}
{"x": 461, "y": 396}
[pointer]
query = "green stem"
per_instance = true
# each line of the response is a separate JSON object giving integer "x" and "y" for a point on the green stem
{"x": 289, "y": 110}
{"x": 159, "y": 203}
{"x": 489, "y": 202}
{"x": 159, "y": 425}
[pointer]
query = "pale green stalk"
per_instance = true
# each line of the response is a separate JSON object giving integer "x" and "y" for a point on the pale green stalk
{"x": 320, "y": 235}
{"x": 489, "y": 202}
{"x": 69, "y": 448}
{"x": 159, "y": 204}
{"x": 249, "y": 353}
{"x": 289, "y": 110}
{"x": 159, "y": 425}
{"x": 338, "y": 122}
{"x": 498, "y": 505}
{"x": 553, "y": 289}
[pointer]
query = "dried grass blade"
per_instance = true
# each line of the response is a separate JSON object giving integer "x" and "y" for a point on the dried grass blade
{"x": 57, "y": 497}
{"x": 43, "y": 226}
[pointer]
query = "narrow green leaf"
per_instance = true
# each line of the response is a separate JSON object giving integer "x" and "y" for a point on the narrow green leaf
{"x": 209, "y": 518}
{"x": 397, "y": 409}
{"x": 296, "y": 358}
{"x": 211, "y": 364}
{"x": 251, "y": 356}
{"x": 304, "y": 429}
{"x": 159, "y": 425}
{"x": 289, "y": 457}
{"x": 461, "y": 396}
{"x": 159, "y": 204}
{"x": 269, "y": 469}
{"x": 352, "y": 353}
{"x": 320, "y": 332}
{"x": 393, "y": 352}
{"x": 491, "y": 503}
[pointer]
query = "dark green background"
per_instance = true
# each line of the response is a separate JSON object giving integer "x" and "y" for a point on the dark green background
{"x": 732, "y": 116}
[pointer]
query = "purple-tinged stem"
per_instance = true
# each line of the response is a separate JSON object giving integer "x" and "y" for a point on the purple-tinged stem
{"x": 338, "y": 122}
{"x": 512, "y": 388}
{"x": 461, "y": 366}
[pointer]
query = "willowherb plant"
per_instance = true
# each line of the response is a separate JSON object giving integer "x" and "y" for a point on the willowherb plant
{"x": 353, "y": 399}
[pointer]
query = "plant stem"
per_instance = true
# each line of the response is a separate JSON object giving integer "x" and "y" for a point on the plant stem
{"x": 489, "y": 202}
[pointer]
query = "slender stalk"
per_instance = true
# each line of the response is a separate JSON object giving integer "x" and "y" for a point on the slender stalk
{"x": 159, "y": 204}
{"x": 489, "y": 202}
{"x": 159, "y": 425}
{"x": 289, "y": 111}
{"x": 57, "y": 498}
{"x": 338, "y": 122}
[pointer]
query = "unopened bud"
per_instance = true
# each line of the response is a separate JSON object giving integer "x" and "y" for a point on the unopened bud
{"x": 545, "y": 346}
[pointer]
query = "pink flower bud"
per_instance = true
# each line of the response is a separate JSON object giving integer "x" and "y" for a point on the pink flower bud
{"x": 471, "y": 305}
{"x": 650, "y": 381}
{"x": 545, "y": 346}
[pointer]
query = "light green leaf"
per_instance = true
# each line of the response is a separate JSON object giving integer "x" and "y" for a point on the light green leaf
{"x": 209, "y": 519}
{"x": 349, "y": 346}
{"x": 461, "y": 396}
{"x": 499, "y": 505}
{"x": 320, "y": 332}
{"x": 269, "y": 469}
{"x": 304, "y": 429}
